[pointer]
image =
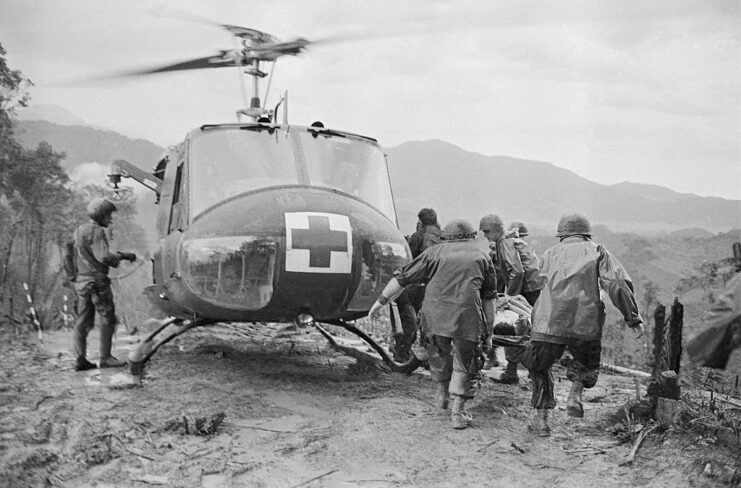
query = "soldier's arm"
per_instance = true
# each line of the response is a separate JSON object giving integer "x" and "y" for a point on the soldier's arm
{"x": 619, "y": 287}
{"x": 415, "y": 272}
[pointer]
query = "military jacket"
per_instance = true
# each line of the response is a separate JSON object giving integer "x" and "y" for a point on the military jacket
{"x": 92, "y": 255}
{"x": 458, "y": 276}
{"x": 428, "y": 236}
{"x": 570, "y": 307}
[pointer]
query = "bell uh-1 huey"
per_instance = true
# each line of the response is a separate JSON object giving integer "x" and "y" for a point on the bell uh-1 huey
{"x": 261, "y": 221}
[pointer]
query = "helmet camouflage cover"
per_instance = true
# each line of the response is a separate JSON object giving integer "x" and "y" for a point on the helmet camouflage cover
{"x": 522, "y": 229}
{"x": 573, "y": 224}
{"x": 458, "y": 229}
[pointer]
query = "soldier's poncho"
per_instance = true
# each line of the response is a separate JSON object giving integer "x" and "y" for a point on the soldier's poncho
{"x": 570, "y": 308}
{"x": 512, "y": 274}
{"x": 532, "y": 280}
{"x": 458, "y": 275}
{"x": 721, "y": 328}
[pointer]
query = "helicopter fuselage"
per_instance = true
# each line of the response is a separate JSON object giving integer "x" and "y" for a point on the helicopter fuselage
{"x": 260, "y": 222}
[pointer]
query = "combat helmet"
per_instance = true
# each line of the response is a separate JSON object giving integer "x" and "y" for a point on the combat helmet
{"x": 99, "y": 208}
{"x": 574, "y": 224}
{"x": 522, "y": 229}
{"x": 458, "y": 229}
{"x": 491, "y": 222}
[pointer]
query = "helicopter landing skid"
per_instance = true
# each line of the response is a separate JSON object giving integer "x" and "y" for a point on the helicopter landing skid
{"x": 141, "y": 354}
{"x": 407, "y": 367}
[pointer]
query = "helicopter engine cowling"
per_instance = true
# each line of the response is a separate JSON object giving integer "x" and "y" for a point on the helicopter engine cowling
{"x": 261, "y": 256}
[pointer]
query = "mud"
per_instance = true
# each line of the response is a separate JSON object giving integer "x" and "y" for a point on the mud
{"x": 291, "y": 412}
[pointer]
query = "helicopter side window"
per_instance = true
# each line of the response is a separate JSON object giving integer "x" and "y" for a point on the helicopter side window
{"x": 227, "y": 163}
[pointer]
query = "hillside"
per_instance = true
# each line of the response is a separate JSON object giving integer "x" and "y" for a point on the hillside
{"x": 85, "y": 145}
{"x": 458, "y": 183}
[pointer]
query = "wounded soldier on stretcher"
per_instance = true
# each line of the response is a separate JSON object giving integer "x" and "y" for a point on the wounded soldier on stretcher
{"x": 512, "y": 317}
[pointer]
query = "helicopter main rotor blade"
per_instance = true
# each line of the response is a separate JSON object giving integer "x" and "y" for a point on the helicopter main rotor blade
{"x": 225, "y": 59}
{"x": 246, "y": 33}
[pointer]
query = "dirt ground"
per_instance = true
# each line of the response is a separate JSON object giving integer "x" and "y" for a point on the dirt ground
{"x": 298, "y": 414}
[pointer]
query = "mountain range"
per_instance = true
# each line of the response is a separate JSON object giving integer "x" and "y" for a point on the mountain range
{"x": 457, "y": 184}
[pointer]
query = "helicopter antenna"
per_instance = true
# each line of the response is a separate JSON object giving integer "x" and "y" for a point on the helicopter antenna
{"x": 285, "y": 108}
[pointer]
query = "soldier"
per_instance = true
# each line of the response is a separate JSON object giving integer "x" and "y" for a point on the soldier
{"x": 570, "y": 313}
{"x": 92, "y": 259}
{"x": 457, "y": 314}
{"x": 713, "y": 346}
{"x": 410, "y": 302}
{"x": 510, "y": 274}
{"x": 427, "y": 233}
{"x": 530, "y": 286}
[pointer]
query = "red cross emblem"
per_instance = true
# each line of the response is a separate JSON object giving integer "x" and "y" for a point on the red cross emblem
{"x": 318, "y": 243}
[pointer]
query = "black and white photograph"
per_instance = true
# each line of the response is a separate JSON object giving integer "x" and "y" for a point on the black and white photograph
{"x": 370, "y": 244}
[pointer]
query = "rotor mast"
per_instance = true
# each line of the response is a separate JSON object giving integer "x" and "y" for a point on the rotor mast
{"x": 255, "y": 109}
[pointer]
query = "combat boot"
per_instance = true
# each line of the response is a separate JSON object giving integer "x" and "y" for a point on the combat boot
{"x": 539, "y": 423}
{"x": 491, "y": 359}
{"x": 112, "y": 362}
{"x": 574, "y": 407}
{"x": 460, "y": 417}
{"x": 84, "y": 365}
{"x": 443, "y": 395}
{"x": 509, "y": 377}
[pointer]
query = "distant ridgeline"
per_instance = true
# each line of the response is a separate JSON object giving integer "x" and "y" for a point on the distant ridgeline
{"x": 85, "y": 144}
{"x": 458, "y": 183}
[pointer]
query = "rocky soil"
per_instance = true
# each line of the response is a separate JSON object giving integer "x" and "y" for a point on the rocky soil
{"x": 258, "y": 407}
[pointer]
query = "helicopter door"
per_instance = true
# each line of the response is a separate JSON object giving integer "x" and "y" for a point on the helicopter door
{"x": 178, "y": 209}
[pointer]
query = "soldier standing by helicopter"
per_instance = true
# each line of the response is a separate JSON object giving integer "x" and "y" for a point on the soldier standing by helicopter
{"x": 570, "y": 313}
{"x": 410, "y": 301}
{"x": 92, "y": 259}
{"x": 457, "y": 315}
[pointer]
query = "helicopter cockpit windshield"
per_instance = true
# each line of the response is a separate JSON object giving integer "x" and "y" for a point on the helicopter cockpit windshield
{"x": 235, "y": 160}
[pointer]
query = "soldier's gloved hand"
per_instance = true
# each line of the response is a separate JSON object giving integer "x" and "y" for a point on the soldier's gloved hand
{"x": 375, "y": 310}
{"x": 128, "y": 256}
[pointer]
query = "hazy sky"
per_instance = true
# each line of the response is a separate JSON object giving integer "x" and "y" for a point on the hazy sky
{"x": 644, "y": 91}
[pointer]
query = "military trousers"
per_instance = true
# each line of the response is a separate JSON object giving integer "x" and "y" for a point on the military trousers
{"x": 92, "y": 296}
{"x": 403, "y": 341}
{"x": 455, "y": 362}
{"x": 539, "y": 357}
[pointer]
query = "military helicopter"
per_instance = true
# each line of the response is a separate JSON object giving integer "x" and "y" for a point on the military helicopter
{"x": 261, "y": 221}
